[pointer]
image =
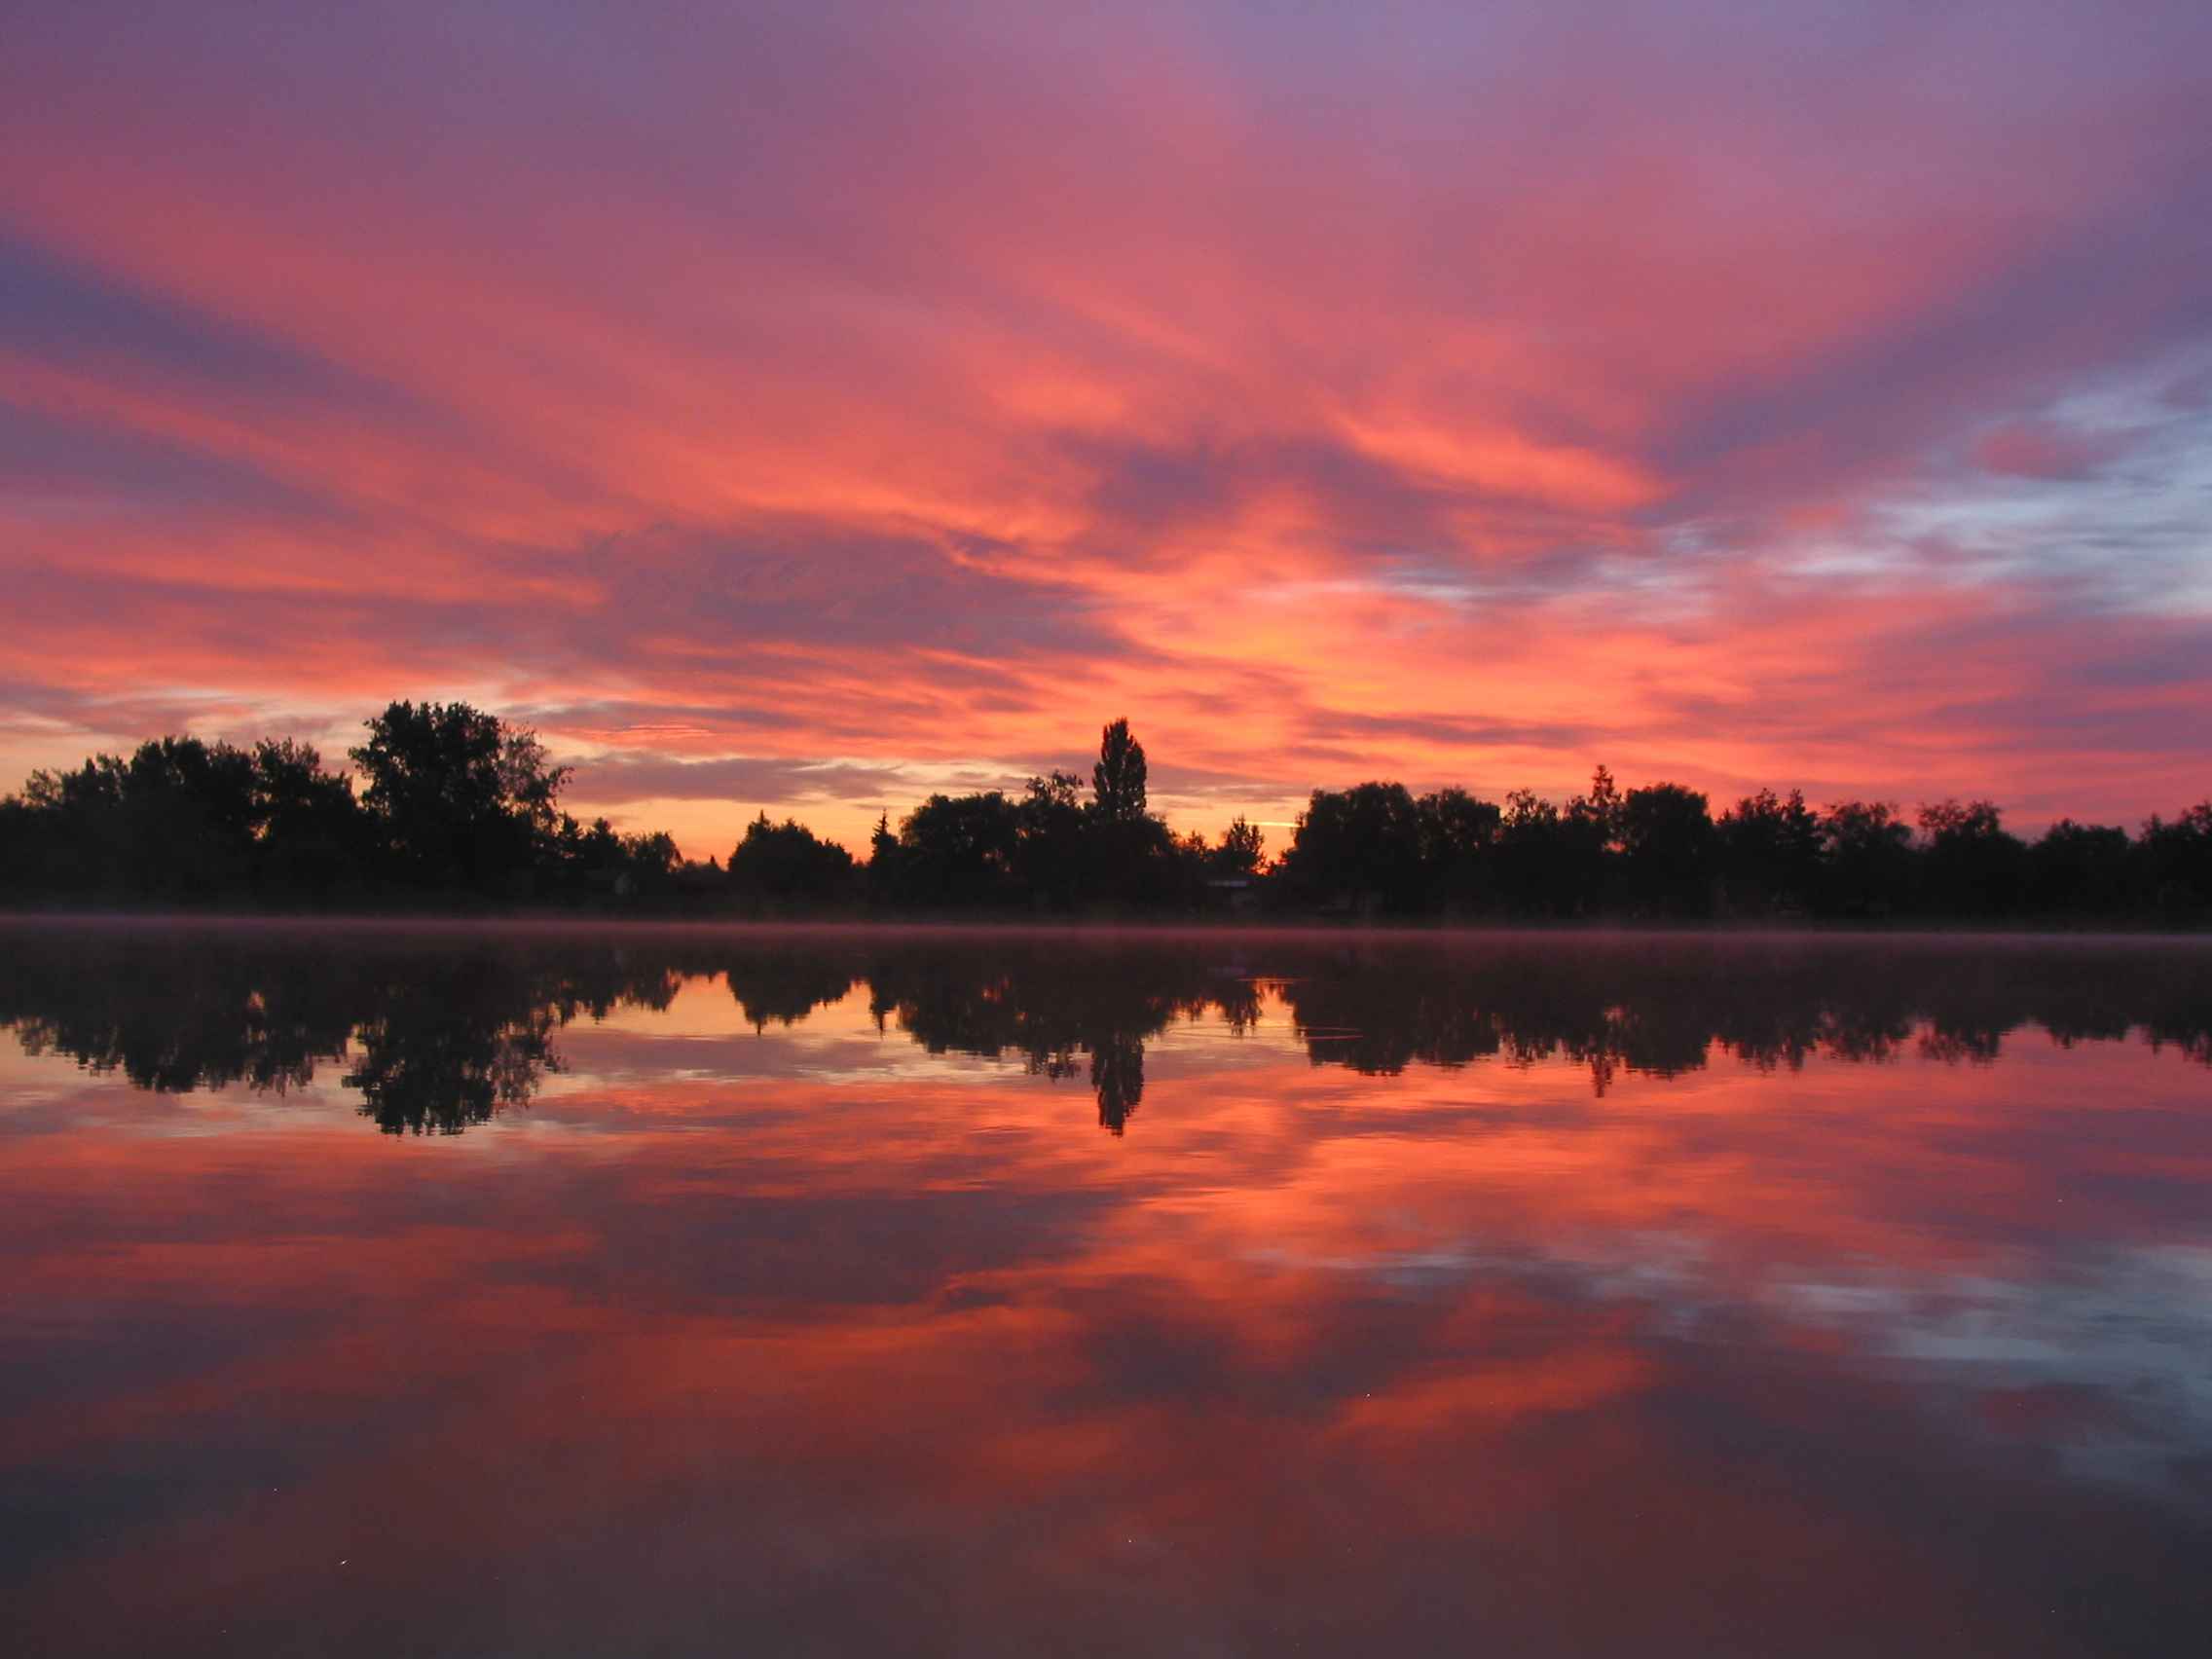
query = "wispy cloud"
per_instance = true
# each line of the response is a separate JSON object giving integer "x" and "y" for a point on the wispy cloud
{"x": 785, "y": 410}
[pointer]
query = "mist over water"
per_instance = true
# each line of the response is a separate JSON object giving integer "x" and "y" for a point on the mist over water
{"x": 508, "y": 1289}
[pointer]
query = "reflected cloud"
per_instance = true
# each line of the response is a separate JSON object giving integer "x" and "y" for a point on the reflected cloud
{"x": 1417, "y": 1264}
{"x": 442, "y": 1034}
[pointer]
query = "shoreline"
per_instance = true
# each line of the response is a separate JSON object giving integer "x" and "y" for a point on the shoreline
{"x": 553, "y": 924}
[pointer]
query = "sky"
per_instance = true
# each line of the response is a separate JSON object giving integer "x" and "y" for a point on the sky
{"x": 807, "y": 407}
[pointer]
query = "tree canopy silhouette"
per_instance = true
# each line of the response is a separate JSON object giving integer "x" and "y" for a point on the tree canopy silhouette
{"x": 786, "y": 861}
{"x": 1118, "y": 779}
{"x": 457, "y": 796}
{"x": 449, "y": 804}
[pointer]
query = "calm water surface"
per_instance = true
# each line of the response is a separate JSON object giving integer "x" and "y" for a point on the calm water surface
{"x": 513, "y": 1291}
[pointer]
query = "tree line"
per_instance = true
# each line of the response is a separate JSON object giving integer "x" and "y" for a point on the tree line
{"x": 1660, "y": 852}
{"x": 449, "y": 805}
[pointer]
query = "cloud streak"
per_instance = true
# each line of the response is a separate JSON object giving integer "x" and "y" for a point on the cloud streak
{"x": 781, "y": 410}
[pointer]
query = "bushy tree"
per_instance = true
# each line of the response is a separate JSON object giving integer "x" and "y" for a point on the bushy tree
{"x": 652, "y": 859}
{"x": 312, "y": 838}
{"x": 2176, "y": 858}
{"x": 459, "y": 796}
{"x": 1052, "y": 841}
{"x": 1360, "y": 846}
{"x": 1458, "y": 840}
{"x": 1601, "y": 812}
{"x": 1667, "y": 849}
{"x": 1590, "y": 840}
{"x": 1242, "y": 848}
{"x": 175, "y": 821}
{"x": 958, "y": 850}
{"x": 1867, "y": 852}
{"x": 1769, "y": 849}
{"x": 2079, "y": 869}
{"x": 452, "y": 798}
{"x": 786, "y": 861}
{"x": 1972, "y": 867}
{"x": 1532, "y": 856}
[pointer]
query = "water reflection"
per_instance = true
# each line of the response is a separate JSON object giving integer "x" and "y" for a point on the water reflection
{"x": 441, "y": 1033}
{"x": 1571, "y": 1295}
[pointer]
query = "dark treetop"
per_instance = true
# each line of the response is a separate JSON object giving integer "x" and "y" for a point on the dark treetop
{"x": 451, "y": 807}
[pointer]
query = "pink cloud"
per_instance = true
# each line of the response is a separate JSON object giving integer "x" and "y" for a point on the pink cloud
{"x": 2043, "y": 451}
{"x": 1466, "y": 397}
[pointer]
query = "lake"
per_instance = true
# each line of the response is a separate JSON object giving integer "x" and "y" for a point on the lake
{"x": 511, "y": 1289}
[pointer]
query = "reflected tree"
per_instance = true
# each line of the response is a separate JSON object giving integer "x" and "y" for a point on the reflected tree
{"x": 426, "y": 1065}
{"x": 438, "y": 1036}
{"x": 1117, "y": 1078}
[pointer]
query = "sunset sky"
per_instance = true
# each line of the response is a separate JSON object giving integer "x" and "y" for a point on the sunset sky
{"x": 808, "y": 406}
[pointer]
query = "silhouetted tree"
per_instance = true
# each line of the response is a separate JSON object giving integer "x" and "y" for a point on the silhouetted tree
{"x": 190, "y": 815}
{"x": 2081, "y": 868}
{"x": 2176, "y": 858}
{"x": 1601, "y": 809}
{"x": 177, "y": 821}
{"x": 1360, "y": 846}
{"x": 460, "y": 797}
{"x": 1973, "y": 867}
{"x": 786, "y": 861}
{"x": 1131, "y": 857}
{"x": 652, "y": 860}
{"x": 456, "y": 800}
{"x": 1051, "y": 841}
{"x": 1869, "y": 853}
{"x": 1118, "y": 781}
{"x": 1770, "y": 853}
{"x": 1589, "y": 837}
{"x": 958, "y": 850}
{"x": 885, "y": 876}
{"x": 312, "y": 836}
{"x": 1242, "y": 846}
{"x": 22, "y": 849}
{"x": 1667, "y": 848}
{"x": 589, "y": 860}
{"x": 1458, "y": 837}
{"x": 1532, "y": 855}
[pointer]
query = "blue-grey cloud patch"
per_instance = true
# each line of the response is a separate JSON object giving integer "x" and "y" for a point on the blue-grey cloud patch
{"x": 2130, "y": 283}
{"x": 635, "y": 721}
{"x": 45, "y": 460}
{"x": 2175, "y": 652}
{"x": 1469, "y": 730}
{"x": 2190, "y": 392}
{"x": 1371, "y": 509}
{"x": 2045, "y": 453}
{"x": 804, "y": 581}
{"x": 639, "y": 776}
{"x": 54, "y": 310}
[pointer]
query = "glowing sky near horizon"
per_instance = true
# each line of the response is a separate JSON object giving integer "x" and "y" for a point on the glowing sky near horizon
{"x": 804, "y": 407}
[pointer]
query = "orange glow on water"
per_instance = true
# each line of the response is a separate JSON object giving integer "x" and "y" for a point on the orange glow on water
{"x": 759, "y": 1290}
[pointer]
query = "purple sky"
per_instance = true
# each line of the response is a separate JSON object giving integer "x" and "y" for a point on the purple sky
{"x": 807, "y": 407}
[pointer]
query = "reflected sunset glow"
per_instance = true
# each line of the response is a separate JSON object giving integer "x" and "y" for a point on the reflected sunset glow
{"x": 804, "y": 1285}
